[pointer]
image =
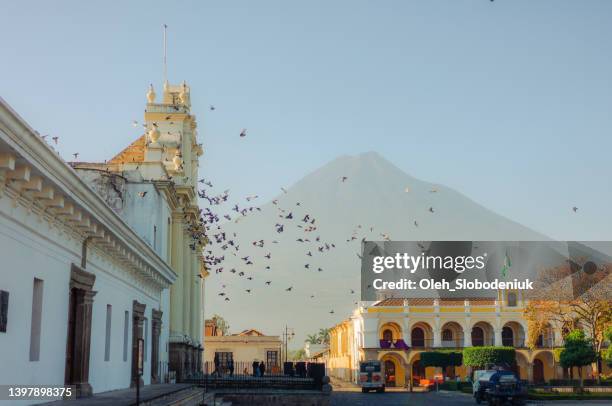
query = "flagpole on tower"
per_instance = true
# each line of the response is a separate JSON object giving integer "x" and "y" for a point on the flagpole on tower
{"x": 165, "y": 64}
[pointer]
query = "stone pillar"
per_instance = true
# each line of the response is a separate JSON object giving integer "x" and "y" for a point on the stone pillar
{"x": 406, "y": 332}
{"x": 530, "y": 372}
{"x": 467, "y": 335}
{"x": 187, "y": 284}
{"x": 437, "y": 338}
{"x": 138, "y": 310}
{"x": 176, "y": 290}
{"x": 195, "y": 299}
{"x": 156, "y": 324}
{"x": 79, "y": 330}
{"x": 498, "y": 337}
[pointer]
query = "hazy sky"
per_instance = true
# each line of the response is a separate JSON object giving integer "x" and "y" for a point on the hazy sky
{"x": 508, "y": 102}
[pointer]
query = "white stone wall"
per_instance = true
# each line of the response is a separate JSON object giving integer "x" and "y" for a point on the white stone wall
{"x": 31, "y": 248}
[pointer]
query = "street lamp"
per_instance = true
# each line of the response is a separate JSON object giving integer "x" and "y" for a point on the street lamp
{"x": 287, "y": 335}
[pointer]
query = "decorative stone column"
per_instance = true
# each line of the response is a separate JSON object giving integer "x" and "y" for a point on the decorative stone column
{"x": 79, "y": 330}
{"x": 530, "y": 372}
{"x": 187, "y": 284}
{"x": 138, "y": 310}
{"x": 498, "y": 337}
{"x": 176, "y": 290}
{"x": 156, "y": 324}
{"x": 437, "y": 338}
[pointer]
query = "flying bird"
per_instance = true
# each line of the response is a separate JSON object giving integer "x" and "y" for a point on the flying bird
{"x": 243, "y": 132}
{"x": 289, "y": 289}
{"x": 575, "y": 209}
{"x": 142, "y": 194}
{"x": 75, "y": 155}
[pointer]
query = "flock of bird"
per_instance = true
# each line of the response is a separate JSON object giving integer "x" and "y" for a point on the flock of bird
{"x": 222, "y": 244}
{"x": 218, "y": 244}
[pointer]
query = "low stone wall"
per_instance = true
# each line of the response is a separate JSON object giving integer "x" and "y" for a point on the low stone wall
{"x": 275, "y": 398}
{"x": 571, "y": 389}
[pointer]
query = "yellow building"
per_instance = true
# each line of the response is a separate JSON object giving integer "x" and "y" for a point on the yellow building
{"x": 153, "y": 184}
{"x": 242, "y": 348}
{"x": 396, "y": 331}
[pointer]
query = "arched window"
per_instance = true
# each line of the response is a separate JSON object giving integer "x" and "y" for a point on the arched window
{"x": 507, "y": 337}
{"x": 512, "y": 299}
{"x": 447, "y": 335}
{"x": 417, "y": 337}
{"x": 477, "y": 337}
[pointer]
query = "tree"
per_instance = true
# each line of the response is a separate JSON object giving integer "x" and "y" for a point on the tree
{"x": 324, "y": 336}
{"x": 297, "y": 355}
{"x": 441, "y": 359}
{"x": 607, "y": 354}
{"x": 313, "y": 339}
{"x": 482, "y": 357}
{"x": 571, "y": 299}
{"x": 221, "y": 324}
{"x": 578, "y": 351}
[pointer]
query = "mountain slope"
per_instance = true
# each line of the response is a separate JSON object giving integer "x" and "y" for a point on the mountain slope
{"x": 373, "y": 195}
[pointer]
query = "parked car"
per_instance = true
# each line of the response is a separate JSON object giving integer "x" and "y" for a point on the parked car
{"x": 371, "y": 376}
{"x": 498, "y": 387}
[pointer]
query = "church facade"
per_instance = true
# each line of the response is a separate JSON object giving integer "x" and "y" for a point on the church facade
{"x": 153, "y": 184}
{"x": 99, "y": 256}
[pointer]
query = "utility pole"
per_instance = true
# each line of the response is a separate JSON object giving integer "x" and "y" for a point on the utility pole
{"x": 287, "y": 335}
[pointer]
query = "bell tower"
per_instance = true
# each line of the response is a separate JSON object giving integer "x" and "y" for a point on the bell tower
{"x": 171, "y": 135}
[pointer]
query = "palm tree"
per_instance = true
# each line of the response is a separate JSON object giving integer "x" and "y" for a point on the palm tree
{"x": 313, "y": 339}
{"x": 324, "y": 336}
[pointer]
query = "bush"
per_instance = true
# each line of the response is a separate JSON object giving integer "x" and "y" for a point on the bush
{"x": 441, "y": 359}
{"x": 576, "y": 382}
{"x": 484, "y": 356}
{"x": 457, "y": 386}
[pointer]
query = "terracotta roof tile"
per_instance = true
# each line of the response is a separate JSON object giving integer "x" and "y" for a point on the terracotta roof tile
{"x": 133, "y": 153}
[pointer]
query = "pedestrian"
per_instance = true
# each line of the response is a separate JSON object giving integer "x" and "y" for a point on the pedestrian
{"x": 255, "y": 368}
{"x": 216, "y": 372}
{"x": 230, "y": 366}
{"x": 262, "y": 368}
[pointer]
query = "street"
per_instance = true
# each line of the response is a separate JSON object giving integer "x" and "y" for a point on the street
{"x": 354, "y": 397}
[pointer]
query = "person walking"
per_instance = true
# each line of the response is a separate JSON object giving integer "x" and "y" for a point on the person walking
{"x": 230, "y": 367}
{"x": 262, "y": 368}
{"x": 216, "y": 372}
{"x": 255, "y": 368}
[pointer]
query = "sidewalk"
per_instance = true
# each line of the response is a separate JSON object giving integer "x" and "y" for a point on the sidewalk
{"x": 345, "y": 386}
{"x": 153, "y": 394}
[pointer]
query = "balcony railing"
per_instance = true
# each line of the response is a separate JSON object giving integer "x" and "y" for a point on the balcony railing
{"x": 395, "y": 344}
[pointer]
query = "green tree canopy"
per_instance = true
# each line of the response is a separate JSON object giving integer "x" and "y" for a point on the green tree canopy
{"x": 441, "y": 359}
{"x": 607, "y": 354}
{"x": 485, "y": 356}
{"x": 578, "y": 350}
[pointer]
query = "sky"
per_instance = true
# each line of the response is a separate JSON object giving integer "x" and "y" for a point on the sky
{"x": 508, "y": 102}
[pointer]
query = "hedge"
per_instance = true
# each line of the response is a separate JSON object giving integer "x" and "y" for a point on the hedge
{"x": 456, "y": 386}
{"x": 484, "y": 356}
{"x": 441, "y": 358}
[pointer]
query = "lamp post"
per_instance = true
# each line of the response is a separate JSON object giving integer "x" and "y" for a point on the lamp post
{"x": 287, "y": 335}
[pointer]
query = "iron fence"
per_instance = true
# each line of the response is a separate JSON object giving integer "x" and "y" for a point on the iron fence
{"x": 244, "y": 375}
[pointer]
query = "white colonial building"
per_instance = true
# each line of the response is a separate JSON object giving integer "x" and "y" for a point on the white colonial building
{"x": 90, "y": 254}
